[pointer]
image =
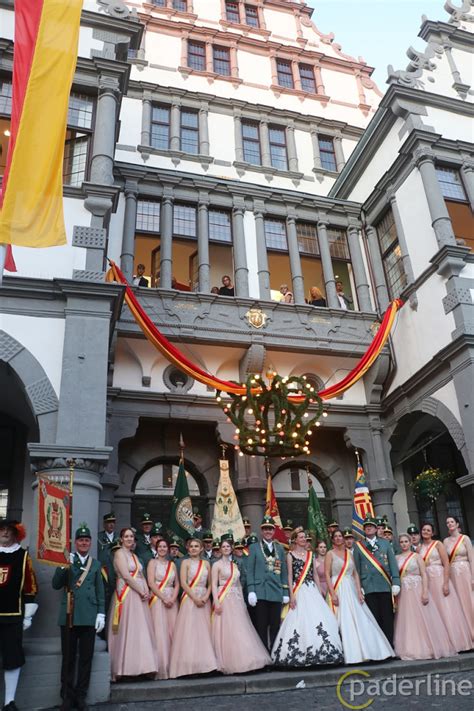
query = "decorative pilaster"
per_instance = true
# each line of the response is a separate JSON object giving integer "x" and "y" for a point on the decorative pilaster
{"x": 467, "y": 171}
{"x": 296, "y": 74}
{"x": 338, "y": 152}
{"x": 129, "y": 225}
{"x": 204, "y": 145}
{"x": 240, "y": 257}
{"x": 102, "y": 162}
{"x": 295, "y": 261}
{"x": 377, "y": 267}
{"x": 262, "y": 256}
{"x": 360, "y": 274}
{"x": 326, "y": 261}
{"x": 291, "y": 147}
{"x": 146, "y": 119}
{"x": 203, "y": 243}
{"x": 320, "y": 88}
{"x": 175, "y": 126}
{"x": 407, "y": 267}
{"x": 265, "y": 144}
{"x": 166, "y": 242}
{"x": 316, "y": 152}
{"x": 239, "y": 148}
{"x": 441, "y": 222}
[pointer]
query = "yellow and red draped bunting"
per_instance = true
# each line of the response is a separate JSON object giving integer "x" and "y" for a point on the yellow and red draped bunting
{"x": 271, "y": 509}
{"x": 456, "y": 547}
{"x": 372, "y": 559}
{"x": 404, "y": 565}
{"x": 163, "y": 583}
{"x": 45, "y": 53}
{"x": 119, "y": 598}
{"x": 54, "y": 526}
{"x": 175, "y": 356}
{"x": 195, "y": 580}
{"x": 429, "y": 551}
{"x": 339, "y": 578}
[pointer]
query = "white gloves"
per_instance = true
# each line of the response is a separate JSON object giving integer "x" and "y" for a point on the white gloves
{"x": 286, "y": 599}
{"x": 30, "y": 609}
{"x": 71, "y": 558}
{"x": 99, "y": 622}
{"x": 395, "y": 590}
{"x": 252, "y": 599}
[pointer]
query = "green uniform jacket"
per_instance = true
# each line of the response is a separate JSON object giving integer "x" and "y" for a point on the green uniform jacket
{"x": 270, "y": 585}
{"x": 370, "y": 579}
{"x": 89, "y": 599}
{"x": 143, "y": 550}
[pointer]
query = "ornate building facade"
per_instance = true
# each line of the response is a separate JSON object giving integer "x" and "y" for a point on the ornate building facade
{"x": 208, "y": 138}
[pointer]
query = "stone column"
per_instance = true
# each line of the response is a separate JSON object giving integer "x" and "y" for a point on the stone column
{"x": 203, "y": 244}
{"x": 239, "y": 148}
{"x": 209, "y": 58}
{"x": 468, "y": 180}
{"x": 204, "y": 145}
{"x": 291, "y": 147}
{"x": 377, "y": 267}
{"x": 265, "y": 144}
{"x": 441, "y": 222}
{"x": 146, "y": 119}
{"x": 320, "y": 88}
{"x": 339, "y": 153}
{"x": 241, "y": 272}
{"x": 295, "y": 70}
{"x": 262, "y": 255}
{"x": 166, "y": 242}
{"x": 295, "y": 261}
{"x": 357, "y": 261}
{"x": 316, "y": 152}
{"x": 103, "y": 148}
{"x": 407, "y": 268}
{"x": 234, "y": 67}
{"x": 326, "y": 261}
{"x": 129, "y": 226}
{"x": 175, "y": 127}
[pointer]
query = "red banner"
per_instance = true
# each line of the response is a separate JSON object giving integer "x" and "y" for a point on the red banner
{"x": 271, "y": 509}
{"x": 54, "y": 522}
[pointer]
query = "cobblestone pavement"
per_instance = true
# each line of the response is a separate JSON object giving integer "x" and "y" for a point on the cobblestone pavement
{"x": 435, "y": 692}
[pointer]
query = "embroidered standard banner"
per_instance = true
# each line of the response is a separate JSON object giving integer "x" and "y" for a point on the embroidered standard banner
{"x": 362, "y": 502}
{"x": 227, "y": 516}
{"x": 54, "y": 527}
{"x": 45, "y": 53}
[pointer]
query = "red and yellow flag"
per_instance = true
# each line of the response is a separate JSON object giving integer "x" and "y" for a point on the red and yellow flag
{"x": 46, "y": 39}
{"x": 271, "y": 509}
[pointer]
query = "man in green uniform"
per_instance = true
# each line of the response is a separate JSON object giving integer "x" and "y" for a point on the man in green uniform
{"x": 379, "y": 577}
{"x": 267, "y": 582}
{"x": 348, "y": 538}
{"x": 143, "y": 547}
{"x": 207, "y": 552}
{"x": 388, "y": 535}
{"x": 83, "y": 592}
{"x": 106, "y": 539}
{"x": 414, "y": 533}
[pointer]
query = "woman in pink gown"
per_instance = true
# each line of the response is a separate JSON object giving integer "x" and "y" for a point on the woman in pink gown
{"x": 130, "y": 627}
{"x": 419, "y": 632}
{"x": 459, "y": 548}
{"x": 321, "y": 550}
{"x": 191, "y": 649}
{"x": 164, "y": 584}
{"x": 236, "y": 643}
{"x": 442, "y": 592}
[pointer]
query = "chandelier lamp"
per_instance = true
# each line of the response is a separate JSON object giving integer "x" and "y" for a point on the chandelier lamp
{"x": 274, "y": 418}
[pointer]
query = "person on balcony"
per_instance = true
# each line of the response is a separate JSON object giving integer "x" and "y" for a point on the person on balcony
{"x": 287, "y": 295}
{"x": 139, "y": 279}
{"x": 316, "y": 297}
{"x": 345, "y": 302}
{"x": 227, "y": 288}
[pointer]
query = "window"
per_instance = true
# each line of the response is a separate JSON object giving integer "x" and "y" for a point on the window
{"x": 251, "y": 16}
{"x": 278, "y": 155}
{"x": 326, "y": 151}
{"x": 180, "y": 5}
{"x": 232, "y": 11}
{"x": 5, "y": 97}
{"x": 184, "y": 221}
{"x": 307, "y": 235}
{"x": 5, "y": 109}
{"x": 160, "y": 127}
{"x": 251, "y": 142}
{"x": 159, "y": 3}
{"x": 189, "y": 132}
{"x": 275, "y": 234}
{"x": 197, "y": 56}
{"x": 391, "y": 255}
{"x": 221, "y": 60}
{"x": 285, "y": 75}
{"x": 307, "y": 78}
{"x": 450, "y": 182}
{"x": 338, "y": 245}
{"x": 148, "y": 216}
{"x": 220, "y": 226}
{"x": 78, "y": 139}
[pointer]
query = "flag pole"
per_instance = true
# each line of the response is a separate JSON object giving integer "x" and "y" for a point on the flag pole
{"x": 3, "y": 256}
{"x": 69, "y": 593}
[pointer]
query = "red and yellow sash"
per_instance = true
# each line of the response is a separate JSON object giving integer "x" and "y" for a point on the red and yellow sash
{"x": 372, "y": 559}
{"x": 105, "y": 574}
{"x": 456, "y": 547}
{"x": 163, "y": 583}
{"x": 404, "y": 565}
{"x": 429, "y": 551}
{"x": 339, "y": 578}
{"x": 298, "y": 583}
{"x": 228, "y": 584}
{"x": 119, "y": 598}
{"x": 195, "y": 580}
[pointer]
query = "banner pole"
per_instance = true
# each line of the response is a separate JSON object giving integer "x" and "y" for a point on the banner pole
{"x": 69, "y": 592}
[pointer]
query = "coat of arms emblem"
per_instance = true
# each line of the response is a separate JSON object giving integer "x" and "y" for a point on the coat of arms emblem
{"x": 256, "y": 317}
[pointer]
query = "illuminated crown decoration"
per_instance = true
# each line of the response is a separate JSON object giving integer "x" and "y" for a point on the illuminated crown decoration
{"x": 268, "y": 421}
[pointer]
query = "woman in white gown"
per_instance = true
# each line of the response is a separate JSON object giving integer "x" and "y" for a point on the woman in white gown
{"x": 308, "y": 635}
{"x": 362, "y": 638}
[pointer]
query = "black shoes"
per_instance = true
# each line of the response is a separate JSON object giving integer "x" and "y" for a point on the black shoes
{"x": 10, "y": 707}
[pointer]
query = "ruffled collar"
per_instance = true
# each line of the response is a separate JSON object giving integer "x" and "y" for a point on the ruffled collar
{"x": 10, "y": 549}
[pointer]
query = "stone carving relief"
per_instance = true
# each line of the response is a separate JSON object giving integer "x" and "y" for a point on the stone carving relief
{"x": 420, "y": 62}
{"x": 459, "y": 15}
{"x": 115, "y": 8}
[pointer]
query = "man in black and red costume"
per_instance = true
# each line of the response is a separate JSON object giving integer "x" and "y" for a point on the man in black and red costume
{"x": 17, "y": 603}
